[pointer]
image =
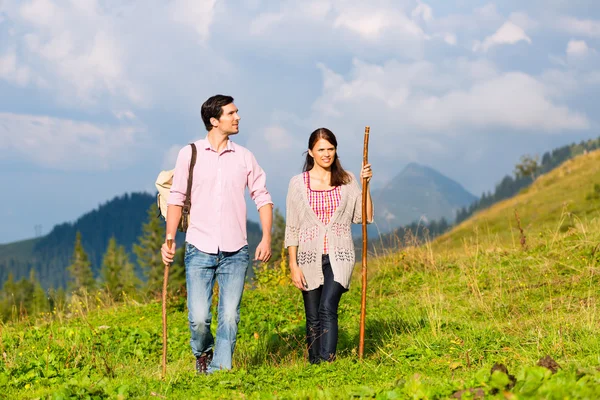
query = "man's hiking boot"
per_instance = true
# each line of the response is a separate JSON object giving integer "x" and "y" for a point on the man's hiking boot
{"x": 203, "y": 361}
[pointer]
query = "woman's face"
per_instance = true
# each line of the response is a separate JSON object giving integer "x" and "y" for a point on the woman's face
{"x": 323, "y": 153}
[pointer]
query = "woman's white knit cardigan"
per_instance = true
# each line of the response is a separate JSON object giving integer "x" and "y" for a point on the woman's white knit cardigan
{"x": 305, "y": 230}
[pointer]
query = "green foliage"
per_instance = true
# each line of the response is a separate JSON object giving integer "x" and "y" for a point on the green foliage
{"x": 81, "y": 275}
{"x": 39, "y": 298}
{"x": 21, "y": 299}
{"x": 595, "y": 193}
{"x": 117, "y": 274}
{"x": 528, "y": 166}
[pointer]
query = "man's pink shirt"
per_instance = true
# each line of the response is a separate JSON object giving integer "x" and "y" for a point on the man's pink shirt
{"x": 218, "y": 213}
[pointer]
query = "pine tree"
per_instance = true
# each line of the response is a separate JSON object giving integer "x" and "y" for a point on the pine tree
{"x": 7, "y": 297}
{"x": 39, "y": 299}
{"x": 117, "y": 274}
{"x": 147, "y": 250}
{"x": 80, "y": 269}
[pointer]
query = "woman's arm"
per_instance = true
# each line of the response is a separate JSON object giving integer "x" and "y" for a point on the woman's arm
{"x": 295, "y": 271}
{"x": 292, "y": 230}
{"x": 357, "y": 218}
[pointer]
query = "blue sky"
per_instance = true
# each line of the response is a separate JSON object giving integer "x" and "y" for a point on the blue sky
{"x": 96, "y": 97}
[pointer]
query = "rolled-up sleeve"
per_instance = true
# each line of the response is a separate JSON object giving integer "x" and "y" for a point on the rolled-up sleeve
{"x": 257, "y": 183}
{"x": 180, "y": 177}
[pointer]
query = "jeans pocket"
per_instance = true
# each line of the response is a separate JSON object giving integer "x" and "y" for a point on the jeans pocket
{"x": 243, "y": 254}
{"x": 190, "y": 250}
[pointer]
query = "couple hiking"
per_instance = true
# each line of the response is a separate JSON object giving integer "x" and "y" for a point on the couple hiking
{"x": 322, "y": 203}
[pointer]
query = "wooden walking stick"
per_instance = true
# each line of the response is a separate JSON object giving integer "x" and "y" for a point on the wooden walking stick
{"x": 164, "y": 311}
{"x": 363, "y": 302}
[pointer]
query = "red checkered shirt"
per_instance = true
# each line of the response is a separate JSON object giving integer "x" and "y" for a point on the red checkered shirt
{"x": 324, "y": 203}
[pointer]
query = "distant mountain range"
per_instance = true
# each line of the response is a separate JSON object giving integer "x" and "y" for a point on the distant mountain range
{"x": 418, "y": 192}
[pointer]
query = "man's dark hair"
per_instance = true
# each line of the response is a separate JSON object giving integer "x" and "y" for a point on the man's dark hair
{"x": 213, "y": 108}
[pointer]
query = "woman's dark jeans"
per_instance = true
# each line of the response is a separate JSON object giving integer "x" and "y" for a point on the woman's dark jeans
{"x": 321, "y": 306}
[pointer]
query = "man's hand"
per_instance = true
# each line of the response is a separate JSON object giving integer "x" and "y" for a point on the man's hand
{"x": 298, "y": 277}
{"x": 167, "y": 254}
{"x": 263, "y": 251}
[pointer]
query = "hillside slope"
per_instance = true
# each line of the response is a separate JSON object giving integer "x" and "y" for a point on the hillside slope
{"x": 553, "y": 203}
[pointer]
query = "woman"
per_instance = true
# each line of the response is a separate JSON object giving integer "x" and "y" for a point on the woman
{"x": 322, "y": 203}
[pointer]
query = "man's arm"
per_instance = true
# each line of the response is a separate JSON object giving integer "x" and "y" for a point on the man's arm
{"x": 173, "y": 217}
{"x": 263, "y": 251}
{"x": 176, "y": 200}
{"x": 257, "y": 185}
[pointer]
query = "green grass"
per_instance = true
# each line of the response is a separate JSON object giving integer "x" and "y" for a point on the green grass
{"x": 439, "y": 317}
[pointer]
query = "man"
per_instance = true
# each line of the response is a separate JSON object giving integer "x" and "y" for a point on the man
{"x": 216, "y": 243}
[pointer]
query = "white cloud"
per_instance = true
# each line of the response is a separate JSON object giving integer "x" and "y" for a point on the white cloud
{"x": 277, "y": 138}
{"x": 99, "y": 54}
{"x": 450, "y": 38}
{"x": 523, "y": 21}
{"x": 341, "y": 22}
{"x": 508, "y": 33}
{"x": 11, "y": 72}
{"x": 423, "y": 11}
{"x": 579, "y": 27}
{"x": 447, "y": 98}
{"x": 195, "y": 14}
{"x": 488, "y": 11}
{"x": 125, "y": 114}
{"x": 370, "y": 24}
{"x": 577, "y": 48}
{"x": 265, "y": 22}
{"x": 42, "y": 12}
{"x": 66, "y": 144}
{"x": 76, "y": 50}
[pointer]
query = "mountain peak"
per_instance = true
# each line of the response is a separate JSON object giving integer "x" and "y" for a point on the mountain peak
{"x": 418, "y": 191}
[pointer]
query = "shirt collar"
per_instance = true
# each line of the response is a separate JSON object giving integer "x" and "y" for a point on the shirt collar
{"x": 207, "y": 146}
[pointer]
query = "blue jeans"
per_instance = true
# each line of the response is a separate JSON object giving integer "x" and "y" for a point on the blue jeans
{"x": 201, "y": 270}
{"x": 321, "y": 309}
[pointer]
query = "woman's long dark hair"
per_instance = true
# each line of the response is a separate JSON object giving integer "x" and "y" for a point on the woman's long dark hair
{"x": 339, "y": 176}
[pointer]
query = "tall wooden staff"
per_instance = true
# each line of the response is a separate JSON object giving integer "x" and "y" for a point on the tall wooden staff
{"x": 164, "y": 311}
{"x": 363, "y": 303}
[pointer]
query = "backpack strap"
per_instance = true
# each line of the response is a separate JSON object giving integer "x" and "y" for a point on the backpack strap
{"x": 187, "y": 204}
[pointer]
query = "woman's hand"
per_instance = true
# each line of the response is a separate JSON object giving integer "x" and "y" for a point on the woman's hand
{"x": 298, "y": 277}
{"x": 366, "y": 172}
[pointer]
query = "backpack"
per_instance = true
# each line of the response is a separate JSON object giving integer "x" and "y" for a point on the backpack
{"x": 163, "y": 184}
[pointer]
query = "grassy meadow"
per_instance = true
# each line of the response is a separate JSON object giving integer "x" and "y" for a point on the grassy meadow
{"x": 512, "y": 285}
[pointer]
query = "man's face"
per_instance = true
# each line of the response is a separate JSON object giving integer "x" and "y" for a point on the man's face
{"x": 229, "y": 121}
